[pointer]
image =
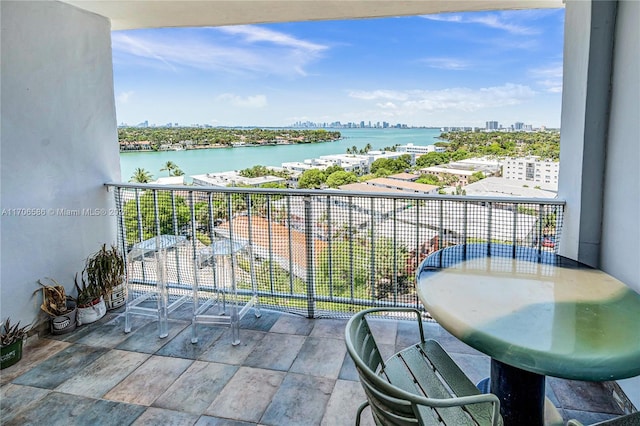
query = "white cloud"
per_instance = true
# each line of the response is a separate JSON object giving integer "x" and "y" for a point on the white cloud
{"x": 460, "y": 99}
{"x": 549, "y": 77}
{"x": 124, "y": 97}
{"x": 379, "y": 94}
{"x": 501, "y": 21}
{"x": 229, "y": 49}
{"x": 446, "y": 63}
{"x": 256, "y": 101}
{"x": 254, "y": 34}
{"x": 387, "y": 105}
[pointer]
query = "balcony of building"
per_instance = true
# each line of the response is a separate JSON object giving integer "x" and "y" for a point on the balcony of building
{"x": 288, "y": 370}
{"x": 59, "y": 148}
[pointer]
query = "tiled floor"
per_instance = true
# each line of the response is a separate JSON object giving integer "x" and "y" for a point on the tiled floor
{"x": 288, "y": 370}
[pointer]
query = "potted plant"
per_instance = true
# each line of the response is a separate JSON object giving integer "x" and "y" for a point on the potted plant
{"x": 105, "y": 269}
{"x": 60, "y": 307}
{"x": 91, "y": 306}
{"x": 12, "y": 337}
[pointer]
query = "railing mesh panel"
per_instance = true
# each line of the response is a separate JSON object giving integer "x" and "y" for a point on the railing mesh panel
{"x": 320, "y": 253}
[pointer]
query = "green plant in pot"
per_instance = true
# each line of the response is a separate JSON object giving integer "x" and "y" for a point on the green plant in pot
{"x": 60, "y": 307}
{"x": 12, "y": 337}
{"x": 91, "y": 306}
{"x": 106, "y": 269}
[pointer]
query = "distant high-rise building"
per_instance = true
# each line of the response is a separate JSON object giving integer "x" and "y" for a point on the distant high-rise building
{"x": 518, "y": 126}
{"x": 491, "y": 125}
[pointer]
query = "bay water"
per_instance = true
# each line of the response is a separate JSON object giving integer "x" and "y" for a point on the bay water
{"x": 199, "y": 161}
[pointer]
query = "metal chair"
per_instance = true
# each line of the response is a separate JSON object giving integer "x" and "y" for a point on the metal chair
{"x": 632, "y": 419}
{"x": 419, "y": 385}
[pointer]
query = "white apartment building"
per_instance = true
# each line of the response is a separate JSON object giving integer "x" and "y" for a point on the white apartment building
{"x": 441, "y": 172}
{"x": 359, "y": 164}
{"x": 232, "y": 178}
{"x": 302, "y": 166}
{"x": 531, "y": 169}
{"x": 486, "y": 165}
{"x": 418, "y": 149}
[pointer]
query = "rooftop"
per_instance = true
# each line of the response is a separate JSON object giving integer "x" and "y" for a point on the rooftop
{"x": 500, "y": 186}
{"x": 287, "y": 370}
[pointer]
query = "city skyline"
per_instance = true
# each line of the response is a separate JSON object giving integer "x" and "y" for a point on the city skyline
{"x": 421, "y": 71}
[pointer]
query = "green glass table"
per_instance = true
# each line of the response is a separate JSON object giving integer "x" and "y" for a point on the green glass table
{"x": 534, "y": 313}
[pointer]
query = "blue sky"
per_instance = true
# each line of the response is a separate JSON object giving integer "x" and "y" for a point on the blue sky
{"x": 458, "y": 69}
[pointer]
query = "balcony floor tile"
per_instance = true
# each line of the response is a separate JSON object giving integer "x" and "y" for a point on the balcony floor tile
{"x": 247, "y": 395}
{"x": 149, "y": 381}
{"x": 300, "y": 401}
{"x": 320, "y": 357}
{"x": 275, "y": 351}
{"x": 287, "y": 370}
{"x": 60, "y": 367}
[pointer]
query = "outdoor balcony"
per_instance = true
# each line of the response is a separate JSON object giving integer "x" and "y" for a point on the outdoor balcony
{"x": 288, "y": 370}
{"x": 59, "y": 147}
{"x": 319, "y": 256}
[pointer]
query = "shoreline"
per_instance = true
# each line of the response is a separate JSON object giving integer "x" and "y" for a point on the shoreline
{"x": 248, "y": 145}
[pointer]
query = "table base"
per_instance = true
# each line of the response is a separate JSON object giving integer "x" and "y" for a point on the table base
{"x": 521, "y": 394}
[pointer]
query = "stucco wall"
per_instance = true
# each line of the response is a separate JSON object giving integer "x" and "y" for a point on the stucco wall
{"x": 59, "y": 145}
{"x": 620, "y": 246}
{"x": 620, "y": 254}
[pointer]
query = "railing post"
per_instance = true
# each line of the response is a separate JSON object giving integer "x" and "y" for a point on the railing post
{"x": 395, "y": 252}
{"x": 441, "y": 225}
{"x": 270, "y": 235}
{"x": 489, "y": 220}
{"x": 196, "y": 283}
{"x": 540, "y": 219}
{"x": 291, "y": 274}
{"x": 351, "y": 275}
{"x": 175, "y": 229}
{"x": 329, "y": 245}
{"x": 308, "y": 232}
{"x": 156, "y": 210}
{"x": 515, "y": 229}
{"x": 373, "y": 253}
{"x": 465, "y": 227}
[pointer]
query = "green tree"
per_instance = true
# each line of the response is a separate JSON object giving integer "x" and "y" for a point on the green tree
{"x": 428, "y": 179}
{"x": 335, "y": 265}
{"x": 432, "y": 159}
{"x": 394, "y": 165}
{"x": 141, "y": 175}
{"x": 340, "y": 178}
{"x": 312, "y": 178}
{"x": 331, "y": 169}
{"x": 177, "y": 172}
{"x": 382, "y": 172}
{"x": 476, "y": 177}
{"x": 169, "y": 166}
{"x": 147, "y": 214}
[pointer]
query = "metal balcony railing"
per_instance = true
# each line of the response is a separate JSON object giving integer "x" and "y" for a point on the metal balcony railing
{"x": 325, "y": 253}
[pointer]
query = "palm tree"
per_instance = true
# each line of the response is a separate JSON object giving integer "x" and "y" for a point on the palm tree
{"x": 141, "y": 176}
{"x": 169, "y": 166}
{"x": 177, "y": 172}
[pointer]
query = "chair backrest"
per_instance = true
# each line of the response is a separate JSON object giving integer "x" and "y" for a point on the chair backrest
{"x": 387, "y": 407}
